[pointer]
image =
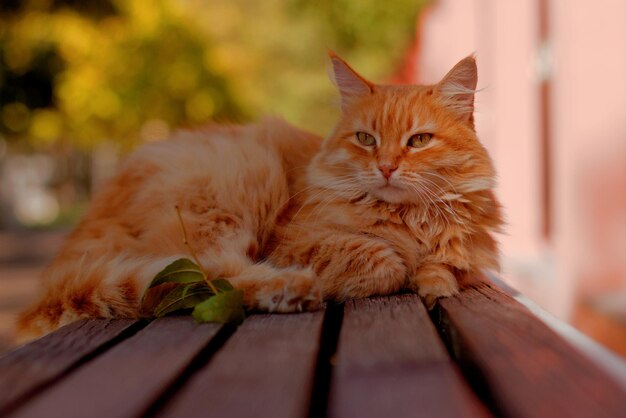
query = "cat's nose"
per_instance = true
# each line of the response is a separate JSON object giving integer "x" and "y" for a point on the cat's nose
{"x": 387, "y": 169}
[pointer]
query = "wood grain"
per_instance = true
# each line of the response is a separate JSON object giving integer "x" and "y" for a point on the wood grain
{"x": 127, "y": 379}
{"x": 32, "y": 366}
{"x": 390, "y": 362}
{"x": 264, "y": 370}
{"x": 522, "y": 365}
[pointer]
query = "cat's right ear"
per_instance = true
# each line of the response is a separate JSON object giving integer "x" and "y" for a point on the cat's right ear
{"x": 458, "y": 87}
{"x": 350, "y": 84}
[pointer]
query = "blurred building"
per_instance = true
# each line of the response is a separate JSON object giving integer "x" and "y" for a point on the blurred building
{"x": 551, "y": 112}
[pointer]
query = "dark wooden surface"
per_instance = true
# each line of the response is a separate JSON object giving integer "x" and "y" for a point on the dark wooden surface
{"x": 265, "y": 369}
{"x": 127, "y": 379}
{"x": 478, "y": 354}
{"x": 520, "y": 365}
{"x": 29, "y": 368}
{"x": 390, "y": 362}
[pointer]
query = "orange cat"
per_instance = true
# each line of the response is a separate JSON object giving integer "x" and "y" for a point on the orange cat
{"x": 399, "y": 196}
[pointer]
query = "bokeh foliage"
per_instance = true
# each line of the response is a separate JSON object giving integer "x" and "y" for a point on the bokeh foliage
{"x": 125, "y": 70}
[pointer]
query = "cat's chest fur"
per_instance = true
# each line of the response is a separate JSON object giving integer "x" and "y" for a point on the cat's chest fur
{"x": 414, "y": 232}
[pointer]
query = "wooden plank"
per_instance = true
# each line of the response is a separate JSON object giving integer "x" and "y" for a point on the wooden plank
{"x": 390, "y": 362}
{"x": 126, "y": 380}
{"x": 264, "y": 370}
{"x": 522, "y": 365}
{"x": 32, "y": 366}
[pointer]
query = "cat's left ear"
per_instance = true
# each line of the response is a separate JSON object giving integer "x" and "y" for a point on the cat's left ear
{"x": 458, "y": 87}
{"x": 350, "y": 84}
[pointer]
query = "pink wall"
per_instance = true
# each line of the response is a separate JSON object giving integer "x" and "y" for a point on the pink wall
{"x": 585, "y": 63}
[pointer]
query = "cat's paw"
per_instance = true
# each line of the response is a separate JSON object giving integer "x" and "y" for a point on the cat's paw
{"x": 295, "y": 291}
{"x": 432, "y": 282}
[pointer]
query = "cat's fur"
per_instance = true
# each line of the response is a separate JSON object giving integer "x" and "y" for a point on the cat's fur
{"x": 288, "y": 217}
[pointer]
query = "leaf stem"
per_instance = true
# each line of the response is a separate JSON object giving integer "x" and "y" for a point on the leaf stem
{"x": 193, "y": 253}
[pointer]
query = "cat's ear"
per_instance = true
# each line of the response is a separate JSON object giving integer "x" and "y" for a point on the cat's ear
{"x": 350, "y": 84}
{"x": 458, "y": 87}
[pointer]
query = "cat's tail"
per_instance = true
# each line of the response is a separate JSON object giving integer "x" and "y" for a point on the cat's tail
{"x": 102, "y": 288}
{"x": 113, "y": 288}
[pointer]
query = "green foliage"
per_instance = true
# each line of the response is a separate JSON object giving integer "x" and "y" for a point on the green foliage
{"x": 225, "y": 307}
{"x": 127, "y": 76}
{"x": 182, "y": 270}
{"x": 276, "y": 50}
{"x": 182, "y": 298}
{"x": 211, "y": 300}
{"x": 130, "y": 71}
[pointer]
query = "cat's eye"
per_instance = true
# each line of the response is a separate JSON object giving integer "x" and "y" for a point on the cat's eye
{"x": 419, "y": 140}
{"x": 366, "y": 139}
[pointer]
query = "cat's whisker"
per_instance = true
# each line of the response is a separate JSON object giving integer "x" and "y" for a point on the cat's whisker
{"x": 306, "y": 189}
{"x": 429, "y": 204}
{"x": 340, "y": 181}
{"x": 421, "y": 177}
{"x": 434, "y": 198}
{"x": 321, "y": 207}
{"x": 320, "y": 210}
{"x": 446, "y": 205}
{"x": 323, "y": 204}
{"x": 439, "y": 176}
{"x": 446, "y": 202}
{"x": 422, "y": 198}
{"x": 307, "y": 202}
{"x": 433, "y": 204}
{"x": 418, "y": 180}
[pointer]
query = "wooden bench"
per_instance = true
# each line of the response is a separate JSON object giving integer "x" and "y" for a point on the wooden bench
{"x": 479, "y": 354}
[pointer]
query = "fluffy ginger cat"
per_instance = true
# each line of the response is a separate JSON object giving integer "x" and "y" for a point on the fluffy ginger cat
{"x": 398, "y": 197}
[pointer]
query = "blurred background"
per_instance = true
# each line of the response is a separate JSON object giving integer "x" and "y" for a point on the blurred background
{"x": 84, "y": 83}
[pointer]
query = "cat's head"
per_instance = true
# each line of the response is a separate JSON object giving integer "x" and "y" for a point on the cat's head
{"x": 404, "y": 144}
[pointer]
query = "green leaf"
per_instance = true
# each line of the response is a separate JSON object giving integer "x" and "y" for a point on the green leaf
{"x": 225, "y": 307}
{"x": 183, "y": 297}
{"x": 182, "y": 270}
{"x": 222, "y": 285}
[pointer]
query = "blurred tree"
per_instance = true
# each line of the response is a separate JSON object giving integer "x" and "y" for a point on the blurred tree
{"x": 274, "y": 51}
{"x": 120, "y": 72}
{"x": 128, "y": 70}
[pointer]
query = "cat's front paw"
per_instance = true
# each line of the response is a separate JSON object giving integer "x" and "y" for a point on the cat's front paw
{"x": 432, "y": 282}
{"x": 295, "y": 291}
